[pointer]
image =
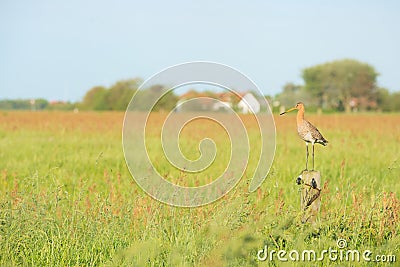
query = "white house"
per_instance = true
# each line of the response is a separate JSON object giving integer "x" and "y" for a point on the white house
{"x": 224, "y": 102}
{"x": 222, "y": 106}
{"x": 249, "y": 104}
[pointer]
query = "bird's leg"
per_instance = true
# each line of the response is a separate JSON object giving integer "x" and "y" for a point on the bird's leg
{"x": 306, "y": 156}
{"x": 312, "y": 156}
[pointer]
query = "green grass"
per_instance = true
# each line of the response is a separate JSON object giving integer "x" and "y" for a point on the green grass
{"x": 67, "y": 198}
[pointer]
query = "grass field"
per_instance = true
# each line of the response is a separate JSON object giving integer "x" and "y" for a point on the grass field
{"x": 67, "y": 198}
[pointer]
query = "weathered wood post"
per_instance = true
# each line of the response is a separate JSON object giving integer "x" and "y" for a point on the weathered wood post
{"x": 310, "y": 200}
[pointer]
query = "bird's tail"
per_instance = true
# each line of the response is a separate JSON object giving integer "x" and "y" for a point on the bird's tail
{"x": 322, "y": 142}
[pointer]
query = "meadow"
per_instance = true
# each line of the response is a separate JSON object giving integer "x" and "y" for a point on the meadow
{"x": 68, "y": 199}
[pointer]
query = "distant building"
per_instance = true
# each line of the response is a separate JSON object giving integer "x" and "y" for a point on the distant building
{"x": 222, "y": 106}
{"x": 249, "y": 104}
{"x": 362, "y": 103}
{"x": 225, "y": 102}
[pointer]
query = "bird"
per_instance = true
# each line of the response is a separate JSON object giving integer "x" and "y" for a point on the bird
{"x": 308, "y": 132}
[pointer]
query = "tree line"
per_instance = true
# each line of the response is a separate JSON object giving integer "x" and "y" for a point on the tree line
{"x": 116, "y": 97}
{"x": 341, "y": 85}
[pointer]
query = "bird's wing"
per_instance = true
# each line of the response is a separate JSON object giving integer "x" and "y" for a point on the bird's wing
{"x": 314, "y": 132}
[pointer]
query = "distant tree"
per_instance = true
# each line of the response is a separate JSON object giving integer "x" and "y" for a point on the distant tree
{"x": 146, "y": 97}
{"x": 340, "y": 81}
{"x": 119, "y": 95}
{"x": 383, "y": 99}
{"x": 394, "y": 103}
{"x": 289, "y": 95}
{"x": 293, "y": 93}
{"x": 41, "y": 103}
{"x": 17, "y": 104}
{"x": 24, "y": 104}
{"x": 167, "y": 102}
{"x": 388, "y": 101}
{"x": 5, "y": 104}
{"x": 95, "y": 99}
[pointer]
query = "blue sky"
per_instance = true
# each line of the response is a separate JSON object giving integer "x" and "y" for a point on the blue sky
{"x": 60, "y": 49}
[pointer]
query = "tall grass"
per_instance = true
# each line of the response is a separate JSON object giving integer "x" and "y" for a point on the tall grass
{"x": 67, "y": 198}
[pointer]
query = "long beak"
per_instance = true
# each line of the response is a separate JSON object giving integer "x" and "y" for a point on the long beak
{"x": 287, "y": 111}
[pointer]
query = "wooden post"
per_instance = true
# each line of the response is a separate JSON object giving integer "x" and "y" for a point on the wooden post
{"x": 310, "y": 201}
